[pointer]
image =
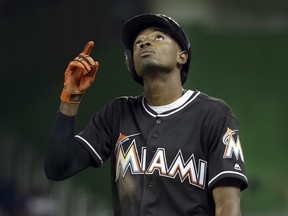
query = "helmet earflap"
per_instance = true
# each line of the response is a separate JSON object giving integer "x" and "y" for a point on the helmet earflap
{"x": 128, "y": 58}
{"x": 130, "y": 66}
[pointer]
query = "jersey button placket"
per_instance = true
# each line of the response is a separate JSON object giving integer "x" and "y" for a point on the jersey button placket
{"x": 158, "y": 121}
{"x": 155, "y": 134}
{"x": 150, "y": 184}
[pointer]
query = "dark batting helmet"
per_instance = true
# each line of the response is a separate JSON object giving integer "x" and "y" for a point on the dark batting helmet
{"x": 137, "y": 23}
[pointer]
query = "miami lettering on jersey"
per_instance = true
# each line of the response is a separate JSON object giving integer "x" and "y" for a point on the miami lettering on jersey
{"x": 232, "y": 147}
{"x": 130, "y": 159}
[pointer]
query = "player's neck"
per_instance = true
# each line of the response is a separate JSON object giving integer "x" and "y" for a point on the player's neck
{"x": 159, "y": 93}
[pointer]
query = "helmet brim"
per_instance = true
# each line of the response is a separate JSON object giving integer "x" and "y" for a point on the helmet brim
{"x": 136, "y": 24}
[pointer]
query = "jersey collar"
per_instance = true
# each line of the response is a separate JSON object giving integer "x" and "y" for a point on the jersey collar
{"x": 174, "y": 107}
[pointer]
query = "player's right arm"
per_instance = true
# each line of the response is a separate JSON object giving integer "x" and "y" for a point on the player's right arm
{"x": 65, "y": 156}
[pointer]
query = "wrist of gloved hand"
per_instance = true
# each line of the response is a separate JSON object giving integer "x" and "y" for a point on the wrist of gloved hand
{"x": 69, "y": 97}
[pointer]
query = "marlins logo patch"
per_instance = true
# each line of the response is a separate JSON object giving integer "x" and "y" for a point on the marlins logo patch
{"x": 233, "y": 147}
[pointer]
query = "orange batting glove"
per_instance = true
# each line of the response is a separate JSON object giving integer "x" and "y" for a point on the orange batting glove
{"x": 79, "y": 76}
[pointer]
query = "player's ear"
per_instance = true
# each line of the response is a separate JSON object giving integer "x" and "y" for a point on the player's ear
{"x": 182, "y": 57}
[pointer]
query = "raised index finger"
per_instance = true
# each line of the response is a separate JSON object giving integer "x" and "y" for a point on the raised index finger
{"x": 88, "y": 48}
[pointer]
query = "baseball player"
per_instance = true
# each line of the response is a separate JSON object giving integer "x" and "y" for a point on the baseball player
{"x": 173, "y": 151}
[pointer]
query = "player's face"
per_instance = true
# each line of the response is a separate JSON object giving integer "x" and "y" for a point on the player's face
{"x": 155, "y": 50}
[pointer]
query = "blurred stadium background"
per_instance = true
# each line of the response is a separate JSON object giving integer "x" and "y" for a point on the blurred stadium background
{"x": 239, "y": 53}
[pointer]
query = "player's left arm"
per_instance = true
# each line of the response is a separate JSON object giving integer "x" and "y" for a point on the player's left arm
{"x": 227, "y": 194}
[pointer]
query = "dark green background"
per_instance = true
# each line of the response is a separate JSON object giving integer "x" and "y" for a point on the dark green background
{"x": 246, "y": 67}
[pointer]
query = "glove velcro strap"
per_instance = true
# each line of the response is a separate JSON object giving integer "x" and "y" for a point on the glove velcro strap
{"x": 69, "y": 97}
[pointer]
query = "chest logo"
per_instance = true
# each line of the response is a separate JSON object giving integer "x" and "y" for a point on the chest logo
{"x": 130, "y": 159}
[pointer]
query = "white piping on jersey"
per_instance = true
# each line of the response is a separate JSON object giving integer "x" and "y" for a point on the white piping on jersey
{"x": 180, "y": 103}
{"x": 85, "y": 141}
{"x": 227, "y": 172}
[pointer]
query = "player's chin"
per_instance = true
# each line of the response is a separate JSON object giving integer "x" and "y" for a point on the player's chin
{"x": 147, "y": 66}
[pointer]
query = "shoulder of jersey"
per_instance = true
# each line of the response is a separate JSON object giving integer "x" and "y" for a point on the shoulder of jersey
{"x": 214, "y": 103}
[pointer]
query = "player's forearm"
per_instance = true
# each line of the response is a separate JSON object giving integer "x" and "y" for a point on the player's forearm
{"x": 68, "y": 109}
{"x": 65, "y": 156}
{"x": 227, "y": 200}
{"x": 60, "y": 151}
{"x": 228, "y": 210}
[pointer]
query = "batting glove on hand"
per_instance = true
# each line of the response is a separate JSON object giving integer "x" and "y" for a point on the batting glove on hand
{"x": 79, "y": 76}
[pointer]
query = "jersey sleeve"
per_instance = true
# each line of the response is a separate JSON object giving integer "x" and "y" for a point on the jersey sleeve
{"x": 64, "y": 155}
{"x": 226, "y": 158}
{"x": 97, "y": 136}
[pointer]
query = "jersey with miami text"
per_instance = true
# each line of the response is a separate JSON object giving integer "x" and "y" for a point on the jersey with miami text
{"x": 166, "y": 163}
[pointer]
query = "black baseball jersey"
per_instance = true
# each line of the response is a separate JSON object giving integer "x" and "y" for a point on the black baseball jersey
{"x": 166, "y": 160}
